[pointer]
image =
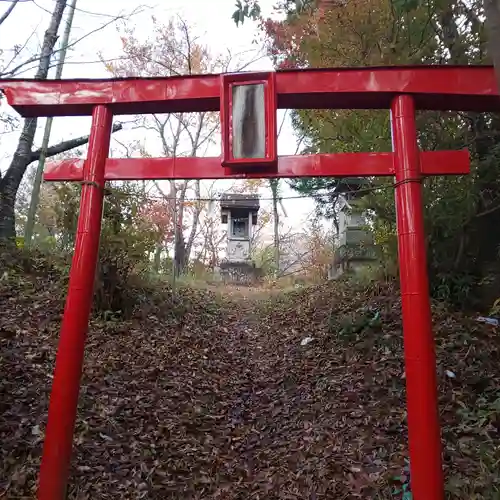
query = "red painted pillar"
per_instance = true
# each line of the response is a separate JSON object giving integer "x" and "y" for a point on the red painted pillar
{"x": 66, "y": 386}
{"x": 420, "y": 359}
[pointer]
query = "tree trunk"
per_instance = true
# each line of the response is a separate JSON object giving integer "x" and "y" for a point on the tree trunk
{"x": 173, "y": 205}
{"x": 450, "y": 36}
{"x": 180, "y": 253}
{"x": 492, "y": 14}
{"x": 22, "y": 157}
{"x": 179, "y": 258}
{"x": 10, "y": 182}
{"x": 196, "y": 219}
{"x": 274, "y": 189}
{"x": 157, "y": 258}
{"x": 180, "y": 244}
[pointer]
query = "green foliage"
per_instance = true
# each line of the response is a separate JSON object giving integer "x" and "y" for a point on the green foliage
{"x": 352, "y": 327}
{"x": 128, "y": 238}
{"x": 66, "y": 208}
{"x": 250, "y": 9}
{"x": 264, "y": 259}
{"x": 126, "y": 244}
{"x": 323, "y": 189}
{"x": 246, "y": 10}
{"x": 459, "y": 211}
{"x": 406, "y": 5}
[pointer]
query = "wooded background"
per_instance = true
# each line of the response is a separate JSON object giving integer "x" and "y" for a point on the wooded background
{"x": 174, "y": 227}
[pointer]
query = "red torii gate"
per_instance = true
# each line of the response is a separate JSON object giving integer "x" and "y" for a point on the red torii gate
{"x": 400, "y": 89}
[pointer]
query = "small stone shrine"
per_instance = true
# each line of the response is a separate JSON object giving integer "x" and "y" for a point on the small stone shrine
{"x": 239, "y": 212}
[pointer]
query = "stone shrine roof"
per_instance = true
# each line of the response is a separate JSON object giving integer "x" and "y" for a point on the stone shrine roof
{"x": 237, "y": 200}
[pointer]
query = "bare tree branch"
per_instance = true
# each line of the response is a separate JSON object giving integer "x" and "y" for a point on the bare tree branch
{"x": 8, "y": 12}
{"x": 37, "y": 57}
{"x": 67, "y": 145}
{"x": 66, "y": 63}
{"x": 18, "y": 49}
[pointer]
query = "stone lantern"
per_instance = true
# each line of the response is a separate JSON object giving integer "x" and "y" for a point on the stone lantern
{"x": 356, "y": 247}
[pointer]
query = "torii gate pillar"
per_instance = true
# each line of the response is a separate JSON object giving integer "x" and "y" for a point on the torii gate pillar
{"x": 68, "y": 371}
{"x": 420, "y": 358}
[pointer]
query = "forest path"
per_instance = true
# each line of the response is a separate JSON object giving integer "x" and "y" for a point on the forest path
{"x": 215, "y": 397}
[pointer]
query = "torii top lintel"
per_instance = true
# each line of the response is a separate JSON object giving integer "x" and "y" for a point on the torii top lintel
{"x": 447, "y": 88}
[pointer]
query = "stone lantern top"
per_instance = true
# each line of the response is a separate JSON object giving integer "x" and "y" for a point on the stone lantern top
{"x": 352, "y": 187}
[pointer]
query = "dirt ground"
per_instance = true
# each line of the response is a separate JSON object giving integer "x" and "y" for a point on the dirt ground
{"x": 218, "y": 396}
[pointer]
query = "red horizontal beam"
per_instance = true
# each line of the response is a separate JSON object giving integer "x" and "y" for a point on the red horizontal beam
{"x": 331, "y": 165}
{"x": 460, "y": 88}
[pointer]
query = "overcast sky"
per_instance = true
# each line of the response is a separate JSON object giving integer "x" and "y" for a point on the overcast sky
{"x": 210, "y": 20}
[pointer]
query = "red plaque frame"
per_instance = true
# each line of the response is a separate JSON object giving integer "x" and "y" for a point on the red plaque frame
{"x": 270, "y": 159}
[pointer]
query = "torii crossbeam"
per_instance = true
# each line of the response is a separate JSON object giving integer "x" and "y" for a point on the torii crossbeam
{"x": 402, "y": 90}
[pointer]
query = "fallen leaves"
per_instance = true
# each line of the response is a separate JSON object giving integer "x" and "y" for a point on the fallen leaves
{"x": 220, "y": 400}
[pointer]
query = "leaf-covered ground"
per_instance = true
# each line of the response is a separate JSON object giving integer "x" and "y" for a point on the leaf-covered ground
{"x": 216, "y": 398}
